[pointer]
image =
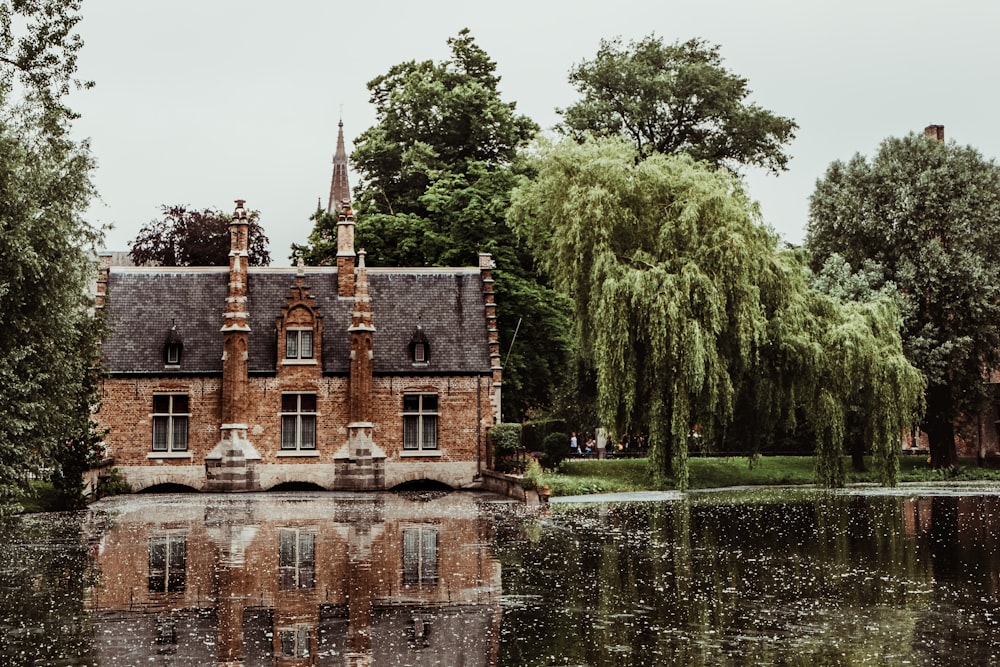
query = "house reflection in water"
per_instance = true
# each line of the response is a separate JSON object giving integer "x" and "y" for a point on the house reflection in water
{"x": 307, "y": 579}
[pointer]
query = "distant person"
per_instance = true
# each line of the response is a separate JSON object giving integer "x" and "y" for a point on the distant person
{"x": 574, "y": 447}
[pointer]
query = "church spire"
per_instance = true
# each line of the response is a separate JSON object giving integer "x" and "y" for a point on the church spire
{"x": 340, "y": 189}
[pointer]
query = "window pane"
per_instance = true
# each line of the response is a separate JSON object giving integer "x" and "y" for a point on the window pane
{"x": 173, "y": 353}
{"x": 177, "y": 567}
{"x": 180, "y": 404}
{"x": 411, "y": 556}
{"x": 306, "y": 339}
{"x": 289, "y": 402}
{"x": 161, "y": 404}
{"x": 428, "y": 556}
{"x": 291, "y": 344}
{"x": 430, "y": 432}
{"x": 180, "y": 434}
{"x": 307, "y": 402}
{"x": 308, "y": 440}
{"x": 288, "y": 431}
{"x": 418, "y": 352}
{"x": 430, "y": 402}
{"x": 286, "y": 548}
{"x": 157, "y": 564}
{"x": 288, "y": 643}
{"x": 411, "y": 402}
{"x": 160, "y": 433}
{"x": 410, "y": 432}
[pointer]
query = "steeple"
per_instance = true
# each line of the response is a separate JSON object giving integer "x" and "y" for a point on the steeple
{"x": 340, "y": 189}
{"x": 340, "y": 206}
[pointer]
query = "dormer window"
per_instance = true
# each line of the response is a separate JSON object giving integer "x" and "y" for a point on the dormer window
{"x": 420, "y": 350}
{"x": 172, "y": 347}
{"x": 173, "y": 354}
{"x": 299, "y": 344}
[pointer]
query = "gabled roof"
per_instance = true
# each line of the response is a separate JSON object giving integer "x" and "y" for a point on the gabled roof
{"x": 143, "y": 303}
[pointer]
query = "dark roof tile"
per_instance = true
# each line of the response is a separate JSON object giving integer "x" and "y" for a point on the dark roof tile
{"x": 447, "y": 304}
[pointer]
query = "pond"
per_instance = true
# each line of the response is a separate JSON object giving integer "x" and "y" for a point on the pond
{"x": 864, "y": 577}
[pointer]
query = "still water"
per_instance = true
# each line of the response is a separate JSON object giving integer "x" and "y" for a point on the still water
{"x": 735, "y": 578}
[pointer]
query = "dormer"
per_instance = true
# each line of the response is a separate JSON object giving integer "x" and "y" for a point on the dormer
{"x": 173, "y": 347}
{"x": 419, "y": 348}
{"x": 299, "y": 327}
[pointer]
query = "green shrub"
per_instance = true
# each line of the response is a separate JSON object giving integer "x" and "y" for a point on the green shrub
{"x": 533, "y": 434}
{"x": 114, "y": 484}
{"x": 505, "y": 438}
{"x": 555, "y": 448}
{"x": 533, "y": 477}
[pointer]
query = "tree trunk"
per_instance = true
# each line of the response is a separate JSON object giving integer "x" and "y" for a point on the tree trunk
{"x": 857, "y": 446}
{"x": 939, "y": 424}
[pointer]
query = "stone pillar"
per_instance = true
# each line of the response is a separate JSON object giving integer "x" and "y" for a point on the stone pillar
{"x": 230, "y": 465}
{"x": 360, "y": 464}
{"x": 486, "y": 267}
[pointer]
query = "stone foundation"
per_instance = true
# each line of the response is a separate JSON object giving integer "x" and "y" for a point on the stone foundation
{"x": 329, "y": 476}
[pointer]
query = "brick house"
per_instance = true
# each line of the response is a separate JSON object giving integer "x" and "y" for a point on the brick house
{"x": 344, "y": 377}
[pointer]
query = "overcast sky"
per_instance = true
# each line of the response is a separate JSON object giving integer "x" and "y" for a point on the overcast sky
{"x": 201, "y": 102}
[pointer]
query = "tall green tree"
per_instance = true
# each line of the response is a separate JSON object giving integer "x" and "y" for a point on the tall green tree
{"x": 926, "y": 213}
{"x": 675, "y": 98}
{"x": 189, "y": 237}
{"x": 48, "y": 337}
{"x": 695, "y": 322}
{"x": 436, "y": 172}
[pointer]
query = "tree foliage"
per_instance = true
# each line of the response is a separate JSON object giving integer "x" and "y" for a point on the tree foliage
{"x": 676, "y": 98}
{"x": 48, "y": 337}
{"x": 925, "y": 212}
{"x": 189, "y": 237}
{"x": 435, "y": 121}
{"x": 436, "y": 172}
{"x": 697, "y": 326}
{"x": 39, "y": 47}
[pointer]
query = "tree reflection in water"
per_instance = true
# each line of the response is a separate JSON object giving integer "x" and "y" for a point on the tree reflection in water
{"x": 763, "y": 578}
{"x": 381, "y": 579}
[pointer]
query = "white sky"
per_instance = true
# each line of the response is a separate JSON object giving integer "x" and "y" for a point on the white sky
{"x": 201, "y": 102}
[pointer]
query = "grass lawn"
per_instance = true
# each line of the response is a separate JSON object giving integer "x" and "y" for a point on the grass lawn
{"x": 579, "y": 477}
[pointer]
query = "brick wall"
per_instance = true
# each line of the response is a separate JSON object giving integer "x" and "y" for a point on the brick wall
{"x": 464, "y": 415}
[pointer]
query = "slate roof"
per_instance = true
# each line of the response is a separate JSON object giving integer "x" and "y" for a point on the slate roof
{"x": 143, "y": 303}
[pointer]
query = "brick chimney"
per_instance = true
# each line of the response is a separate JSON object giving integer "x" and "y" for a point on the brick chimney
{"x": 935, "y": 132}
{"x": 230, "y": 466}
{"x": 360, "y": 463}
{"x": 345, "y": 253}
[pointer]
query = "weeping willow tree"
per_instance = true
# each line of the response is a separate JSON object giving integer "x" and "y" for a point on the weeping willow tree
{"x": 695, "y": 323}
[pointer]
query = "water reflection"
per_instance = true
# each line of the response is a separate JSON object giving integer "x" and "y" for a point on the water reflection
{"x": 353, "y": 580}
{"x": 382, "y": 579}
{"x": 722, "y": 580}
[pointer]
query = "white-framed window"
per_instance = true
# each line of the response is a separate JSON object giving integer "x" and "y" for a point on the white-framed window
{"x": 296, "y": 559}
{"x": 173, "y": 354}
{"x": 167, "y": 563}
{"x": 294, "y": 641}
{"x": 299, "y": 344}
{"x": 298, "y": 421}
{"x": 420, "y": 420}
{"x": 171, "y": 413}
{"x": 420, "y": 555}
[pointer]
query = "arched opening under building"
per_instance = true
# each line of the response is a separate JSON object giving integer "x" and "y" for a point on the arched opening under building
{"x": 297, "y": 486}
{"x": 168, "y": 487}
{"x": 422, "y": 485}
